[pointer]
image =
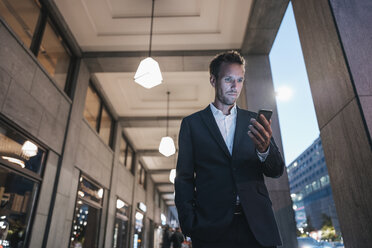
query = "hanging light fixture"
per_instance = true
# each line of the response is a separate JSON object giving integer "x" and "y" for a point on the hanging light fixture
{"x": 172, "y": 174}
{"x": 148, "y": 73}
{"x": 166, "y": 146}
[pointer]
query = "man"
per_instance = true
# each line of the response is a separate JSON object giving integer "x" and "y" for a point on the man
{"x": 177, "y": 238}
{"x": 221, "y": 197}
{"x": 166, "y": 237}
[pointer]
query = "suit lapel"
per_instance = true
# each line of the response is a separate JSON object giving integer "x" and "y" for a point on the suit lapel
{"x": 210, "y": 122}
{"x": 241, "y": 128}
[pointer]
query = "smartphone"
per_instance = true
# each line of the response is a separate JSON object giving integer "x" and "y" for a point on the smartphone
{"x": 266, "y": 112}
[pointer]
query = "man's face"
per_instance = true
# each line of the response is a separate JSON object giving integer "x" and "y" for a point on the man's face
{"x": 229, "y": 83}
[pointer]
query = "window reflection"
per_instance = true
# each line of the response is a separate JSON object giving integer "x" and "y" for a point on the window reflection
{"x": 92, "y": 107}
{"x": 123, "y": 151}
{"x": 138, "y": 231}
{"x": 141, "y": 175}
{"x": 105, "y": 127}
{"x": 15, "y": 150}
{"x": 126, "y": 155}
{"x": 54, "y": 55}
{"x": 16, "y": 195}
{"x": 21, "y": 16}
{"x": 121, "y": 230}
{"x": 85, "y": 228}
{"x": 97, "y": 115}
{"x": 129, "y": 161}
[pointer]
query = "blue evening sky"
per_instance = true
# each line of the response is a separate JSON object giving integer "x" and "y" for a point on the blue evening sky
{"x": 298, "y": 123}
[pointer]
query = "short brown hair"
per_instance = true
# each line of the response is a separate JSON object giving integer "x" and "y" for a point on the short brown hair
{"x": 230, "y": 57}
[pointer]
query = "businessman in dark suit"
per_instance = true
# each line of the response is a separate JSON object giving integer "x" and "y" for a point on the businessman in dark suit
{"x": 221, "y": 197}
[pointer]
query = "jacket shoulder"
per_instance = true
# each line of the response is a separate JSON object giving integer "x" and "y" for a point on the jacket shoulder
{"x": 194, "y": 116}
{"x": 248, "y": 113}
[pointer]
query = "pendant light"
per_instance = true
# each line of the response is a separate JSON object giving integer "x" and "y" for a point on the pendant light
{"x": 148, "y": 73}
{"x": 166, "y": 146}
{"x": 172, "y": 174}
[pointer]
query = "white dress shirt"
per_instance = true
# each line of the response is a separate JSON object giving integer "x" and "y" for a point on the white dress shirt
{"x": 227, "y": 124}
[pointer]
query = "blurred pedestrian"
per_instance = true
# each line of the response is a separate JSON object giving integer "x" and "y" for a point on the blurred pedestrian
{"x": 177, "y": 238}
{"x": 166, "y": 237}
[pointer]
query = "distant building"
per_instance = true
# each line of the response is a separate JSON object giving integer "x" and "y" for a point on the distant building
{"x": 310, "y": 188}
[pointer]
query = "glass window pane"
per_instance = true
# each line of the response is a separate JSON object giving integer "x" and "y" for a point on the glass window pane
{"x": 54, "y": 55}
{"x": 123, "y": 148}
{"x": 21, "y": 16}
{"x": 138, "y": 230}
{"x": 121, "y": 224}
{"x": 105, "y": 127}
{"x": 89, "y": 191}
{"x": 91, "y": 109}
{"x": 85, "y": 226}
{"x": 18, "y": 151}
{"x": 129, "y": 162}
{"x": 16, "y": 197}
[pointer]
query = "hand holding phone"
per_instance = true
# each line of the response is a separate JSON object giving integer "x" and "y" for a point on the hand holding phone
{"x": 261, "y": 134}
{"x": 266, "y": 112}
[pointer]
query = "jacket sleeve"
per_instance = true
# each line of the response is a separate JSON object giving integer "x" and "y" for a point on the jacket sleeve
{"x": 184, "y": 181}
{"x": 274, "y": 165}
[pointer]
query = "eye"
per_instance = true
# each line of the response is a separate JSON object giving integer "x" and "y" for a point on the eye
{"x": 228, "y": 79}
{"x": 240, "y": 80}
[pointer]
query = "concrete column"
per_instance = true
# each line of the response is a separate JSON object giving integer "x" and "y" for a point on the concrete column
{"x": 259, "y": 94}
{"x": 336, "y": 43}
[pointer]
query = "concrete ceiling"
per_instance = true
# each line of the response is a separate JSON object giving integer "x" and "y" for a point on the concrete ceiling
{"x": 114, "y": 37}
{"x": 124, "y": 25}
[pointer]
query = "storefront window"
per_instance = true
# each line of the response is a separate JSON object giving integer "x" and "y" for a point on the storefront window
{"x": 138, "y": 230}
{"x": 20, "y": 168}
{"x": 54, "y": 55}
{"x": 121, "y": 230}
{"x": 85, "y": 227}
{"x": 21, "y": 16}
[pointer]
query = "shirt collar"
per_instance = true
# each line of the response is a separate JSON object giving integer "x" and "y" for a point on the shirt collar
{"x": 217, "y": 112}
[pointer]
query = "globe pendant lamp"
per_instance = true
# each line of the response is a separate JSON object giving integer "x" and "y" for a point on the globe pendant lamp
{"x": 166, "y": 146}
{"x": 148, "y": 73}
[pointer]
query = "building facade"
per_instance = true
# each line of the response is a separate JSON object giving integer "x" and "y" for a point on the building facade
{"x": 311, "y": 190}
{"x": 68, "y": 173}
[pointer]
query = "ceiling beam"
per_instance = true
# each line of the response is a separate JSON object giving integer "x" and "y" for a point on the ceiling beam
{"x": 150, "y": 153}
{"x": 166, "y": 192}
{"x": 263, "y": 25}
{"x": 120, "y": 54}
{"x": 150, "y": 121}
{"x": 162, "y": 184}
{"x": 161, "y": 171}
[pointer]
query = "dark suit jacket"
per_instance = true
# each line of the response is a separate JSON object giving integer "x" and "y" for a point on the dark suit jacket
{"x": 209, "y": 178}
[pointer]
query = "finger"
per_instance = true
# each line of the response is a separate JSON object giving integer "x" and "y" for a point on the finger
{"x": 266, "y": 123}
{"x": 255, "y": 141}
{"x": 257, "y": 134}
{"x": 257, "y": 125}
{"x": 260, "y": 128}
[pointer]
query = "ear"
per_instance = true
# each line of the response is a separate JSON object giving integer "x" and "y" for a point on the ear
{"x": 212, "y": 80}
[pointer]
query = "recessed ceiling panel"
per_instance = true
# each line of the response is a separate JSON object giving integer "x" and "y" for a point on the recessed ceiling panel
{"x": 159, "y": 162}
{"x": 189, "y": 92}
{"x": 124, "y": 25}
{"x": 149, "y": 138}
{"x": 160, "y": 178}
{"x": 166, "y": 188}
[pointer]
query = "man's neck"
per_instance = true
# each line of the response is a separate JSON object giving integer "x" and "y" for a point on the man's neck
{"x": 224, "y": 108}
